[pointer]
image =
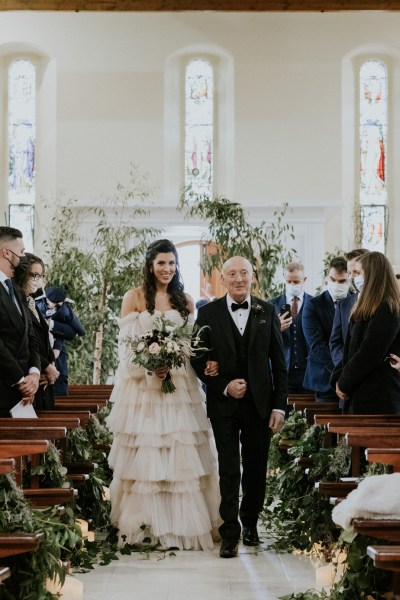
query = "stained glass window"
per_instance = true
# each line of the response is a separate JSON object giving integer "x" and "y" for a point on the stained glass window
{"x": 199, "y": 126}
{"x": 21, "y": 146}
{"x": 373, "y": 154}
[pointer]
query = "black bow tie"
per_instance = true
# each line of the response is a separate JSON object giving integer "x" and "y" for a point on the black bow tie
{"x": 235, "y": 306}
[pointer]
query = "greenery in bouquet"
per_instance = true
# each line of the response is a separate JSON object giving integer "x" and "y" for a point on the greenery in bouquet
{"x": 166, "y": 345}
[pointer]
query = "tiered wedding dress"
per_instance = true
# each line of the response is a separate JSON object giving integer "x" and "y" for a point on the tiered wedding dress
{"x": 165, "y": 484}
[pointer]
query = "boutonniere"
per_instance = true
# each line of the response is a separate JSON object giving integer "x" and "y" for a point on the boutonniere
{"x": 257, "y": 309}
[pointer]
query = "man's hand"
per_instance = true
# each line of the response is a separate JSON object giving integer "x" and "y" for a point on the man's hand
{"x": 237, "y": 388}
{"x": 285, "y": 320}
{"x": 342, "y": 395}
{"x": 276, "y": 421}
{"x": 52, "y": 373}
{"x": 29, "y": 386}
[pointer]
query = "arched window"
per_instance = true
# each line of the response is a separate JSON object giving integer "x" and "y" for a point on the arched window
{"x": 373, "y": 101}
{"x": 199, "y": 126}
{"x": 21, "y": 147}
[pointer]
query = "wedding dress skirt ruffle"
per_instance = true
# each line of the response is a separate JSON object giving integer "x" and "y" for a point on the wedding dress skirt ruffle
{"x": 165, "y": 483}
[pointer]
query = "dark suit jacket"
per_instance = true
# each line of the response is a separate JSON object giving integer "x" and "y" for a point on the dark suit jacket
{"x": 303, "y": 348}
{"x": 19, "y": 348}
{"x": 317, "y": 324}
{"x": 367, "y": 378}
{"x": 266, "y": 363}
{"x": 339, "y": 328}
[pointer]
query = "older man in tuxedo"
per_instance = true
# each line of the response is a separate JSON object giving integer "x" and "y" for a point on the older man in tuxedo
{"x": 19, "y": 348}
{"x": 245, "y": 400}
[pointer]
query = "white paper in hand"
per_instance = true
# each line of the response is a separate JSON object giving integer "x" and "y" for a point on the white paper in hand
{"x": 23, "y": 411}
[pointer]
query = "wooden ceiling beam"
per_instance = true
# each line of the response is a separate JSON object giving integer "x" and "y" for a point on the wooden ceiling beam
{"x": 212, "y": 5}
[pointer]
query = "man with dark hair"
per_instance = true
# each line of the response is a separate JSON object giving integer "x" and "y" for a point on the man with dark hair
{"x": 343, "y": 310}
{"x": 19, "y": 349}
{"x": 318, "y": 314}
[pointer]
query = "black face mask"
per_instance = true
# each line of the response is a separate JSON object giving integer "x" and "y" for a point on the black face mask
{"x": 21, "y": 268}
{"x": 39, "y": 292}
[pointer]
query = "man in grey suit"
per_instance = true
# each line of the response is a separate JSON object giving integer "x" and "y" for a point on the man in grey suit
{"x": 245, "y": 400}
{"x": 19, "y": 349}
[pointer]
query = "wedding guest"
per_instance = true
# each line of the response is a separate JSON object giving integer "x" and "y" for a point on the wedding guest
{"x": 317, "y": 321}
{"x": 64, "y": 325}
{"x": 29, "y": 280}
{"x": 19, "y": 350}
{"x": 365, "y": 381}
{"x": 245, "y": 399}
{"x": 343, "y": 308}
{"x": 289, "y": 308}
{"x": 165, "y": 484}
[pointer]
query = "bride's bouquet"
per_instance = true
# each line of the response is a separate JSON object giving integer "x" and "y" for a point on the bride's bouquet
{"x": 166, "y": 345}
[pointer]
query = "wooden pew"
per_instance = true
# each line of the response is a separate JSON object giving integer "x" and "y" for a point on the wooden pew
{"x": 7, "y": 466}
{"x": 40, "y": 497}
{"x": 355, "y": 420}
{"x": 385, "y": 456}
{"x": 77, "y": 475}
{"x": 64, "y": 403}
{"x": 19, "y": 542}
{"x": 363, "y": 436}
{"x": 387, "y": 558}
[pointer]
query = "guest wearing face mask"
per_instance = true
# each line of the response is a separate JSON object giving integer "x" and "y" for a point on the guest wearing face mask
{"x": 29, "y": 280}
{"x": 317, "y": 321}
{"x": 19, "y": 349}
{"x": 64, "y": 326}
{"x": 343, "y": 308}
{"x": 289, "y": 308}
{"x": 365, "y": 382}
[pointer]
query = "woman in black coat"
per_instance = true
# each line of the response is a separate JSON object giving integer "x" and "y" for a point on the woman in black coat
{"x": 366, "y": 381}
{"x": 29, "y": 281}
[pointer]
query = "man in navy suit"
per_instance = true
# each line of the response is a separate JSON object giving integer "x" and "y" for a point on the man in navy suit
{"x": 19, "y": 348}
{"x": 343, "y": 310}
{"x": 318, "y": 314}
{"x": 294, "y": 342}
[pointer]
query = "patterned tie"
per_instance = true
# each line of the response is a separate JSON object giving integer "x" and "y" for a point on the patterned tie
{"x": 295, "y": 306}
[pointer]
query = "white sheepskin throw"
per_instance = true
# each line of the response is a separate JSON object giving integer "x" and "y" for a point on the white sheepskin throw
{"x": 376, "y": 497}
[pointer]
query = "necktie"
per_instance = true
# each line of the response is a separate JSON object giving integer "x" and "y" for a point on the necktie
{"x": 235, "y": 306}
{"x": 10, "y": 288}
{"x": 295, "y": 306}
{"x": 11, "y": 291}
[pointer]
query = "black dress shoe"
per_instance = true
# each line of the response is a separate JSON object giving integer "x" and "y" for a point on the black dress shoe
{"x": 229, "y": 548}
{"x": 250, "y": 536}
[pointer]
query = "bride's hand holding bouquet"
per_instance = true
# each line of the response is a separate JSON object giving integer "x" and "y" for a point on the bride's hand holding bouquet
{"x": 165, "y": 347}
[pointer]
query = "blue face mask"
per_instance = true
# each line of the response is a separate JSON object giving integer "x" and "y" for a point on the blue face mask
{"x": 358, "y": 282}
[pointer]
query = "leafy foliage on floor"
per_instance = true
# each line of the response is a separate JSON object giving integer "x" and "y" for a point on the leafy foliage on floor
{"x": 298, "y": 516}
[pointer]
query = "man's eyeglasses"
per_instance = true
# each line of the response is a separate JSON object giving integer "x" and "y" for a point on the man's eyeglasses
{"x": 35, "y": 276}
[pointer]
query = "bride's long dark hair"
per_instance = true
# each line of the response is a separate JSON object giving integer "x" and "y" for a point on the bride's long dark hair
{"x": 175, "y": 286}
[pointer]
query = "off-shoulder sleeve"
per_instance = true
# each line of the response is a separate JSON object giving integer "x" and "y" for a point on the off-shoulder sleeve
{"x": 128, "y": 327}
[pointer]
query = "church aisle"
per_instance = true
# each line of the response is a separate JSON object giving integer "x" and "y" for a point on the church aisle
{"x": 254, "y": 575}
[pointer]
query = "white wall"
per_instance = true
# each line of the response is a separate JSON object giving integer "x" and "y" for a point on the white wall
{"x": 108, "y": 73}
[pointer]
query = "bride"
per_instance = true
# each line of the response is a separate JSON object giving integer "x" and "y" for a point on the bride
{"x": 165, "y": 482}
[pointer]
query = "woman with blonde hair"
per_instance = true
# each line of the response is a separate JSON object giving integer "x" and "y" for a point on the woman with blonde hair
{"x": 365, "y": 381}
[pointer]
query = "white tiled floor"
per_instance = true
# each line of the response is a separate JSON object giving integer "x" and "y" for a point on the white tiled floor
{"x": 254, "y": 575}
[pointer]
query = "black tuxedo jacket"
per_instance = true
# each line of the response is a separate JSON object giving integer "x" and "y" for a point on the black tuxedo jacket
{"x": 266, "y": 362}
{"x": 19, "y": 348}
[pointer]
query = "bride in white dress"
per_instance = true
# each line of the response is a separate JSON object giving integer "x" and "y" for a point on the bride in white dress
{"x": 165, "y": 482}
